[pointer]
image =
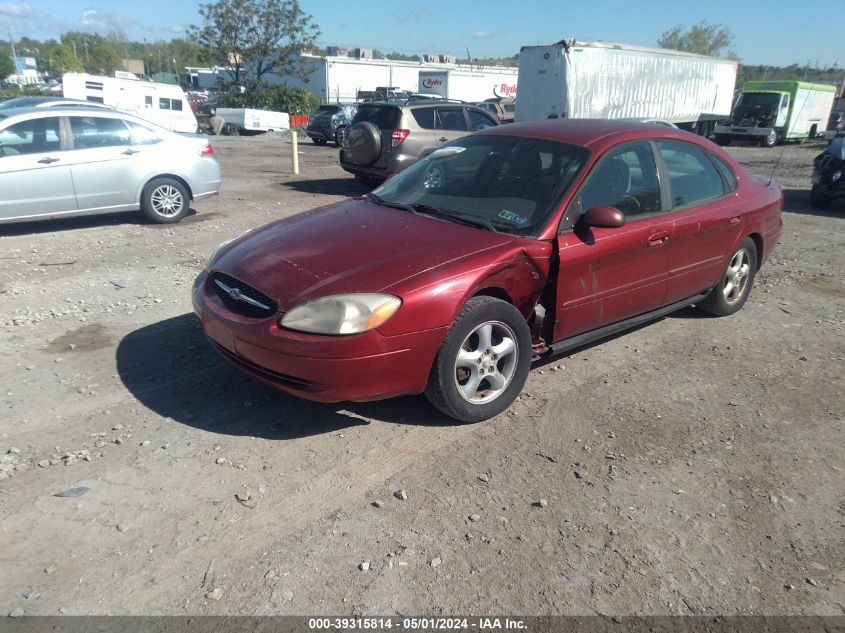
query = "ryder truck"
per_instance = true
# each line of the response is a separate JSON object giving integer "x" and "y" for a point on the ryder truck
{"x": 768, "y": 112}
{"x": 469, "y": 85}
{"x": 618, "y": 81}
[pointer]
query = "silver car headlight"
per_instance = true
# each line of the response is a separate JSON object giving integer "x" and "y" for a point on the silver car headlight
{"x": 352, "y": 313}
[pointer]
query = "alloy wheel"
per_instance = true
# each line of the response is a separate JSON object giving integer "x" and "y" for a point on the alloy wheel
{"x": 486, "y": 362}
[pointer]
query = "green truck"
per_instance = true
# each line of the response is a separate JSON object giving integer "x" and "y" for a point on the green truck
{"x": 768, "y": 112}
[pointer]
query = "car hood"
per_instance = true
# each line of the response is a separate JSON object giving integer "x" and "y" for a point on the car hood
{"x": 353, "y": 246}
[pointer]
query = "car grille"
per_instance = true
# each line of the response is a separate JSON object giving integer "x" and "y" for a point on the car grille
{"x": 242, "y": 298}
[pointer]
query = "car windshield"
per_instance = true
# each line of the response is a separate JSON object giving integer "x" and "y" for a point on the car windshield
{"x": 504, "y": 183}
{"x": 764, "y": 99}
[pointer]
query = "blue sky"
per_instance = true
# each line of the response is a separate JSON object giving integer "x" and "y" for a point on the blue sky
{"x": 766, "y": 31}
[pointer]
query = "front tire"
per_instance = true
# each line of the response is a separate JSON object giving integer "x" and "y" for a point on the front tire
{"x": 319, "y": 141}
{"x": 729, "y": 295}
{"x": 723, "y": 139}
{"x": 771, "y": 140}
{"x": 483, "y": 362}
{"x": 165, "y": 201}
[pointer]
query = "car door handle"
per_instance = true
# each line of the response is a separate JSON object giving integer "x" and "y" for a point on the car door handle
{"x": 129, "y": 152}
{"x": 47, "y": 160}
{"x": 442, "y": 139}
{"x": 735, "y": 220}
{"x": 658, "y": 239}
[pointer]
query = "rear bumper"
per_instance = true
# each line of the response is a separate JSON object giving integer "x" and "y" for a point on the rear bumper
{"x": 361, "y": 367}
{"x": 319, "y": 133}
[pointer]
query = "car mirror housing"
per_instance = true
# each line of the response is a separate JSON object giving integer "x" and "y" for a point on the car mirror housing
{"x": 601, "y": 215}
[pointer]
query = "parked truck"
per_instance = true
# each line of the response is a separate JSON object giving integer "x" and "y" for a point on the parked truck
{"x": 768, "y": 112}
{"x": 618, "y": 81}
{"x": 468, "y": 85}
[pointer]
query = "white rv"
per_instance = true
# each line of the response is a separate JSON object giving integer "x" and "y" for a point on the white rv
{"x": 163, "y": 104}
{"x": 618, "y": 81}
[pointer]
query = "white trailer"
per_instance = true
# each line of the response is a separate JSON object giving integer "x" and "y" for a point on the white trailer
{"x": 249, "y": 120}
{"x": 617, "y": 81}
{"x": 469, "y": 85}
{"x": 340, "y": 78}
{"x": 163, "y": 104}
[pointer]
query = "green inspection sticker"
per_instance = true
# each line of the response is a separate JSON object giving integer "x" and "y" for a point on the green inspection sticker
{"x": 512, "y": 217}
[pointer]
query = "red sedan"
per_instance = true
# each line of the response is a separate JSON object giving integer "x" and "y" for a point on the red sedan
{"x": 495, "y": 250}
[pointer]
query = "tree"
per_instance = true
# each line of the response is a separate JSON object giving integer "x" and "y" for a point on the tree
{"x": 104, "y": 60}
{"x": 255, "y": 38}
{"x": 704, "y": 39}
{"x": 59, "y": 59}
{"x": 7, "y": 66}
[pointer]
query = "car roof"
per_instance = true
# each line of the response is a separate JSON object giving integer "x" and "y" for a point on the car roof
{"x": 593, "y": 133}
{"x": 23, "y": 114}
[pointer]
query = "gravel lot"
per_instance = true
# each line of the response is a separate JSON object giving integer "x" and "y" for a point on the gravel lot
{"x": 693, "y": 466}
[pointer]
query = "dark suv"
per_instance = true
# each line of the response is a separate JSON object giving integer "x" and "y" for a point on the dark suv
{"x": 327, "y": 122}
{"x": 385, "y": 137}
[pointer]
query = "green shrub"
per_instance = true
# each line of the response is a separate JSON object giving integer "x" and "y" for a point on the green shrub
{"x": 277, "y": 97}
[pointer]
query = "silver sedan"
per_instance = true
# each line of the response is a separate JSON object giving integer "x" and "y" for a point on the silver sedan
{"x": 57, "y": 162}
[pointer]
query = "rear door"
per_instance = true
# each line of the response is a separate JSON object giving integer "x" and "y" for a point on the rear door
{"x": 102, "y": 162}
{"x": 449, "y": 123}
{"x": 606, "y": 275}
{"x": 706, "y": 216}
{"x": 35, "y": 176}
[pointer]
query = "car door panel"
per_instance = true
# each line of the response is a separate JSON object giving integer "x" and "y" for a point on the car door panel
{"x": 608, "y": 275}
{"x": 706, "y": 221}
{"x": 103, "y": 163}
{"x": 35, "y": 176}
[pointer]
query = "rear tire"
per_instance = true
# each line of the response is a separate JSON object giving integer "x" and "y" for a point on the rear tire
{"x": 338, "y": 136}
{"x": 723, "y": 139}
{"x": 482, "y": 363}
{"x": 165, "y": 201}
{"x": 734, "y": 286}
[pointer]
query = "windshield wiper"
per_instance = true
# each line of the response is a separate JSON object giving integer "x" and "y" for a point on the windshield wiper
{"x": 462, "y": 218}
{"x": 393, "y": 205}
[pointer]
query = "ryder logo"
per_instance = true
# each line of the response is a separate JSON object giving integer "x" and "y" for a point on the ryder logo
{"x": 431, "y": 82}
{"x": 504, "y": 90}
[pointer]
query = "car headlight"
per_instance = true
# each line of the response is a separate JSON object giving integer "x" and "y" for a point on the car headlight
{"x": 352, "y": 313}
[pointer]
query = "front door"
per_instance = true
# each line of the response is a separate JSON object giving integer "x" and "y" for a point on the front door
{"x": 34, "y": 172}
{"x": 606, "y": 275}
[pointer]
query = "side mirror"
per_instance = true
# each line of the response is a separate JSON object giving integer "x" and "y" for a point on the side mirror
{"x": 601, "y": 215}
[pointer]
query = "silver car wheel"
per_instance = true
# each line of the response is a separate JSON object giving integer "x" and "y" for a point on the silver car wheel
{"x": 736, "y": 276}
{"x": 167, "y": 201}
{"x": 486, "y": 362}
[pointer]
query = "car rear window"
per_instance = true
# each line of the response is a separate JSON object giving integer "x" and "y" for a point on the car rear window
{"x": 329, "y": 108}
{"x": 384, "y": 117}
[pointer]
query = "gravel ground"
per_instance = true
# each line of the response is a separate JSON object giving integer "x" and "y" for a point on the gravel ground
{"x": 692, "y": 466}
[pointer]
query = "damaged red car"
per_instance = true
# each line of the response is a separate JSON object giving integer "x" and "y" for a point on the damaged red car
{"x": 493, "y": 251}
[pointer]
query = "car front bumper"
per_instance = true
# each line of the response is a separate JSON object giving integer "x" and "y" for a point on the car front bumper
{"x": 360, "y": 367}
